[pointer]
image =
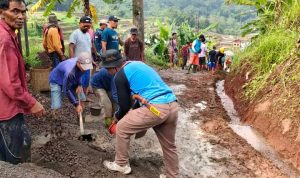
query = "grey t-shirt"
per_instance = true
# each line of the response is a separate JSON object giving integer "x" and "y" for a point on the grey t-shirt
{"x": 82, "y": 42}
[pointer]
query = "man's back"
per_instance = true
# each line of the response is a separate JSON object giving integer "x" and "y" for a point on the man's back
{"x": 146, "y": 82}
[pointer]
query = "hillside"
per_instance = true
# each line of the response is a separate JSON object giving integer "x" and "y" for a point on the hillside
{"x": 265, "y": 81}
{"x": 198, "y": 13}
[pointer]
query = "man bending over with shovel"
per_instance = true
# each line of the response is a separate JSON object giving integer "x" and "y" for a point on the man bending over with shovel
{"x": 66, "y": 78}
{"x": 158, "y": 111}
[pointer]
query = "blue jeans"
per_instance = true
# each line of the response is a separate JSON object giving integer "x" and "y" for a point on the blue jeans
{"x": 56, "y": 96}
{"x": 55, "y": 59}
{"x": 85, "y": 79}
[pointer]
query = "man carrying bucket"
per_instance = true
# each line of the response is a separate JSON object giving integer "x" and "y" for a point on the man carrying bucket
{"x": 158, "y": 110}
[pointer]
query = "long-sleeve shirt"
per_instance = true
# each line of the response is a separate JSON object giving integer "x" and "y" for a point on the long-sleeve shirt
{"x": 138, "y": 78}
{"x": 52, "y": 41}
{"x": 14, "y": 95}
{"x": 67, "y": 75}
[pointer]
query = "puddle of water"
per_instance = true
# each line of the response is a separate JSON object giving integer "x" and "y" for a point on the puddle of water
{"x": 251, "y": 135}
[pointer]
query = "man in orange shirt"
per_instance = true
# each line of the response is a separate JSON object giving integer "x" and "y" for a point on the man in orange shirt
{"x": 52, "y": 41}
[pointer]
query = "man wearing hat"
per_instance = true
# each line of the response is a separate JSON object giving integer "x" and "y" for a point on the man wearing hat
{"x": 97, "y": 36}
{"x": 135, "y": 77}
{"x": 81, "y": 41}
{"x": 53, "y": 40}
{"x": 110, "y": 38}
{"x": 134, "y": 47}
{"x": 66, "y": 77}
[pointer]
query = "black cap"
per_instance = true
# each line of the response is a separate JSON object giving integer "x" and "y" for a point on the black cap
{"x": 112, "y": 58}
{"x": 85, "y": 19}
{"x": 134, "y": 31}
{"x": 112, "y": 18}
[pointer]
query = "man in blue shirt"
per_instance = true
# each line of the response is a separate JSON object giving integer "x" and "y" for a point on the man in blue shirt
{"x": 101, "y": 83}
{"x": 137, "y": 78}
{"x": 66, "y": 77}
{"x": 98, "y": 36}
{"x": 110, "y": 38}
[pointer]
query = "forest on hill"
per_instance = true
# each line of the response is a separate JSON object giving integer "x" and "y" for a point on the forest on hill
{"x": 197, "y": 13}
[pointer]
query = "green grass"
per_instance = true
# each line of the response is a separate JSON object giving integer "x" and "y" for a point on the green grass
{"x": 264, "y": 55}
{"x": 153, "y": 59}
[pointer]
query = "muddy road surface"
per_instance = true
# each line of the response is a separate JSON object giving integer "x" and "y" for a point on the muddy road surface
{"x": 207, "y": 145}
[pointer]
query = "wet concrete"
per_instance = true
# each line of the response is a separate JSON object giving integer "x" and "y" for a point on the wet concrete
{"x": 251, "y": 135}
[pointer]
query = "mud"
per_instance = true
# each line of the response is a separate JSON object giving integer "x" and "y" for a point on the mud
{"x": 207, "y": 146}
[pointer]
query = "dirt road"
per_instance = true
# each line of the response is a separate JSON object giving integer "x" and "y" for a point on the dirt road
{"x": 207, "y": 146}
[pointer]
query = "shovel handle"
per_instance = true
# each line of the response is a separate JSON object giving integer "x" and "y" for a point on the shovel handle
{"x": 80, "y": 118}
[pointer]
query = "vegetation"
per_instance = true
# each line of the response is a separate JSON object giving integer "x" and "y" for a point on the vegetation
{"x": 277, "y": 27}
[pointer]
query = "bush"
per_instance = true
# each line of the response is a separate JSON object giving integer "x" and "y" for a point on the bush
{"x": 155, "y": 59}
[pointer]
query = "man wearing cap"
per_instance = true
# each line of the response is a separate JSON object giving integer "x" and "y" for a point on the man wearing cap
{"x": 110, "y": 38}
{"x": 53, "y": 40}
{"x": 135, "y": 77}
{"x": 98, "y": 38}
{"x": 66, "y": 77}
{"x": 81, "y": 41}
{"x": 134, "y": 47}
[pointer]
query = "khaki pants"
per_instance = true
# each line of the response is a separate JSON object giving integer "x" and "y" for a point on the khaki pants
{"x": 104, "y": 102}
{"x": 142, "y": 119}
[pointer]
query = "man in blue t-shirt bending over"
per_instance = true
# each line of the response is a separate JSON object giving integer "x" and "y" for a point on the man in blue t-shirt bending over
{"x": 137, "y": 78}
{"x": 110, "y": 38}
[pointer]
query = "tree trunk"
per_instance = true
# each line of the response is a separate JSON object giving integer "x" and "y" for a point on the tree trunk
{"x": 87, "y": 11}
{"x": 138, "y": 16}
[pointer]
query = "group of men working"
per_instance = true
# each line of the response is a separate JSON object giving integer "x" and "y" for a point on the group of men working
{"x": 122, "y": 77}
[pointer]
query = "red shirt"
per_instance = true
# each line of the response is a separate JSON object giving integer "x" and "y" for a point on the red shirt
{"x": 14, "y": 95}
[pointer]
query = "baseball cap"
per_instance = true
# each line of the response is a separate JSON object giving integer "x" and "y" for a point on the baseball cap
{"x": 112, "y": 18}
{"x": 112, "y": 58}
{"x": 85, "y": 60}
{"x": 52, "y": 19}
{"x": 134, "y": 31}
{"x": 85, "y": 19}
{"x": 102, "y": 22}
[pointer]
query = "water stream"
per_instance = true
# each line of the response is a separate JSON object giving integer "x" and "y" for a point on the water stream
{"x": 251, "y": 135}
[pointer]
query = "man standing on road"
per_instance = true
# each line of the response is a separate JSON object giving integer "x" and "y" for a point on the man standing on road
{"x": 80, "y": 41}
{"x": 110, "y": 38}
{"x": 52, "y": 41}
{"x": 98, "y": 36}
{"x": 172, "y": 49}
{"x": 66, "y": 77}
{"x": 135, "y": 77}
{"x": 194, "y": 52}
{"x": 15, "y": 100}
{"x": 134, "y": 47}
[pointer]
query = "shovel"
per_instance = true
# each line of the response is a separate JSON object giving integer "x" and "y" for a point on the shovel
{"x": 83, "y": 136}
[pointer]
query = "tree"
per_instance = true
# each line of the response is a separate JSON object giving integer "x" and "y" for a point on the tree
{"x": 138, "y": 16}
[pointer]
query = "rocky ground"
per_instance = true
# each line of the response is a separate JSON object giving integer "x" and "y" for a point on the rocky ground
{"x": 207, "y": 146}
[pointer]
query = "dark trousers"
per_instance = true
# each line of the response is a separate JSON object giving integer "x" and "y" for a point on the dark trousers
{"x": 15, "y": 140}
{"x": 55, "y": 59}
{"x": 184, "y": 62}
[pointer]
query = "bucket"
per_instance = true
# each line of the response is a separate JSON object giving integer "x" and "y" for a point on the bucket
{"x": 95, "y": 110}
{"x": 39, "y": 79}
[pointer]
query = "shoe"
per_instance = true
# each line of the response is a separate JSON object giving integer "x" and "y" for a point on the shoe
{"x": 115, "y": 167}
{"x": 162, "y": 176}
